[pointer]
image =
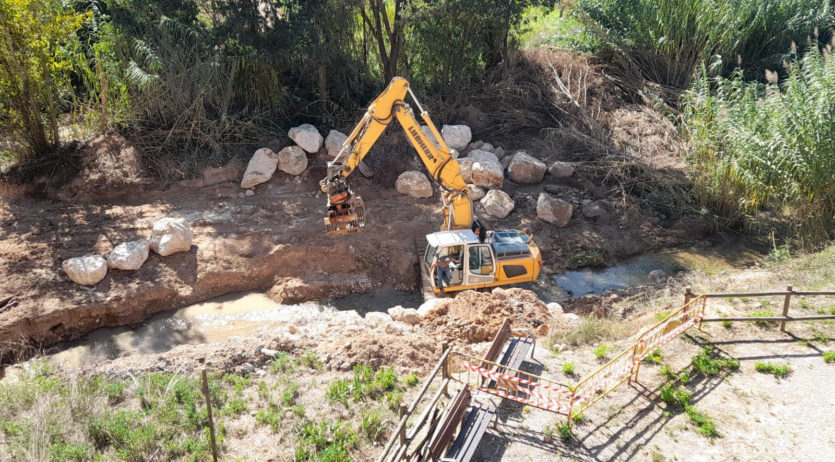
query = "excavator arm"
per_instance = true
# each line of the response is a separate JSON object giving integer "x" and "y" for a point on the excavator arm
{"x": 346, "y": 211}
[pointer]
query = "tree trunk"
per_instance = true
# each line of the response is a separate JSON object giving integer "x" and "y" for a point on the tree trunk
{"x": 322, "y": 83}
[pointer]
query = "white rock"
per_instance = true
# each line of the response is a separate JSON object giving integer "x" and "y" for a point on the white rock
{"x": 171, "y": 235}
{"x": 333, "y": 143}
{"x": 87, "y": 271}
{"x": 561, "y": 169}
{"x": 455, "y": 153}
{"x": 483, "y": 156}
{"x": 292, "y": 160}
{"x": 497, "y": 203}
{"x": 525, "y": 169}
{"x": 465, "y": 164}
{"x": 487, "y": 174}
{"x": 249, "y": 192}
{"x": 553, "y": 210}
{"x": 591, "y": 210}
{"x": 571, "y": 318}
{"x": 307, "y": 137}
{"x": 487, "y": 147}
{"x": 407, "y": 315}
{"x": 456, "y": 136}
{"x": 415, "y": 184}
{"x": 657, "y": 275}
{"x": 129, "y": 255}
{"x": 260, "y": 168}
{"x": 555, "y": 309}
{"x": 476, "y": 193}
{"x": 377, "y": 318}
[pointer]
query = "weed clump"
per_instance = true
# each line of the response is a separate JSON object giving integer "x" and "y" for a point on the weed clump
{"x": 829, "y": 356}
{"x": 770, "y": 368}
{"x": 708, "y": 364}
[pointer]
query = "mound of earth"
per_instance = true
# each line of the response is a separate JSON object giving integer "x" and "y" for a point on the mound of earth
{"x": 473, "y": 317}
{"x": 111, "y": 168}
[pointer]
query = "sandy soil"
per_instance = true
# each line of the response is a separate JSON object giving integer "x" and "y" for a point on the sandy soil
{"x": 758, "y": 416}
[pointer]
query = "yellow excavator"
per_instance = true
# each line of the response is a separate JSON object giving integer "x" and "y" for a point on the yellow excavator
{"x": 486, "y": 259}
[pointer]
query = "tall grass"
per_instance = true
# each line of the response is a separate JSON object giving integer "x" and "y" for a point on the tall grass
{"x": 754, "y": 145}
{"x": 665, "y": 41}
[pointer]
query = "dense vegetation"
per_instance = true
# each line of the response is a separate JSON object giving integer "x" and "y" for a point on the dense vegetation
{"x": 749, "y": 82}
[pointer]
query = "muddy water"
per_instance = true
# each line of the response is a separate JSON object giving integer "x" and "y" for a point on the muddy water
{"x": 635, "y": 271}
{"x": 236, "y": 314}
{"x": 231, "y": 315}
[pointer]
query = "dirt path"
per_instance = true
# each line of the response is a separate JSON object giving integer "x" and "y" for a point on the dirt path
{"x": 758, "y": 416}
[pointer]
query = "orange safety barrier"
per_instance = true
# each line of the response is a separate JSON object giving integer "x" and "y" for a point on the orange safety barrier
{"x": 626, "y": 365}
{"x": 511, "y": 384}
{"x": 536, "y": 391}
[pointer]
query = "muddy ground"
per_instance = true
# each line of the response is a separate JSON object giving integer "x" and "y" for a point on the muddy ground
{"x": 272, "y": 241}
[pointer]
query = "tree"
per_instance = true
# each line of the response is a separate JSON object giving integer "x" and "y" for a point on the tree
{"x": 34, "y": 66}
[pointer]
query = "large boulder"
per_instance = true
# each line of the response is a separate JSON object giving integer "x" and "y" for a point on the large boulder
{"x": 553, "y": 210}
{"x": 488, "y": 174}
{"x": 497, "y": 203}
{"x": 524, "y": 168}
{"x": 260, "y": 168}
{"x": 87, "y": 271}
{"x": 306, "y": 136}
{"x": 465, "y": 165}
{"x": 561, "y": 169}
{"x": 456, "y": 136}
{"x": 476, "y": 193}
{"x": 292, "y": 160}
{"x": 333, "y": 143}
{"x": 413, "y": 184}
{"x": 485, "y": 156}
{"x": 171, "y": 235}
{"x": 129, "y": 255}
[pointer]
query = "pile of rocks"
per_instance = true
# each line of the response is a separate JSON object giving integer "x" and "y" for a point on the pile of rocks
{"x": 291, "y": 160}
{"x": 168, "y": 236}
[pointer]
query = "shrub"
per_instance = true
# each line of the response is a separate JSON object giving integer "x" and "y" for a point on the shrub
{"x": 372, "y": 425}
{"x": 654, "y": 357}
{"x": 568, "y": 368}
{"x": 709, "y": 365}
{"x": 339, "y": 391}
{"x": 601, "y": 351}
{"x": 769, "y": 368}
{"x": 270, "y": 416}
{"x": 702, "y": 421}
{"x": 829, "y": 356}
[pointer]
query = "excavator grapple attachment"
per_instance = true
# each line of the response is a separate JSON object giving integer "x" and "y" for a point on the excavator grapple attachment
{"x": 345, "y": 217}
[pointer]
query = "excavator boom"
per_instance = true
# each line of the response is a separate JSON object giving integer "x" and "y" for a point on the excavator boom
{"x": 346, "y": 210}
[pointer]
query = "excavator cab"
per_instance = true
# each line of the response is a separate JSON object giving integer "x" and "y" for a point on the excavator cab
{"x": 504, "y": 257}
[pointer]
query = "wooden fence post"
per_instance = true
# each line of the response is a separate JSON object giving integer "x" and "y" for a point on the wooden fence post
{"x": 401, "y": 412}
{"x": 687, "y": 295}
{"x": 786, "y": 308}
{"x": 211, "y": 420}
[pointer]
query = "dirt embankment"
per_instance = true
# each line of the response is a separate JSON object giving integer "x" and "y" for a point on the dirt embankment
{"x": 88, "y": 200}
